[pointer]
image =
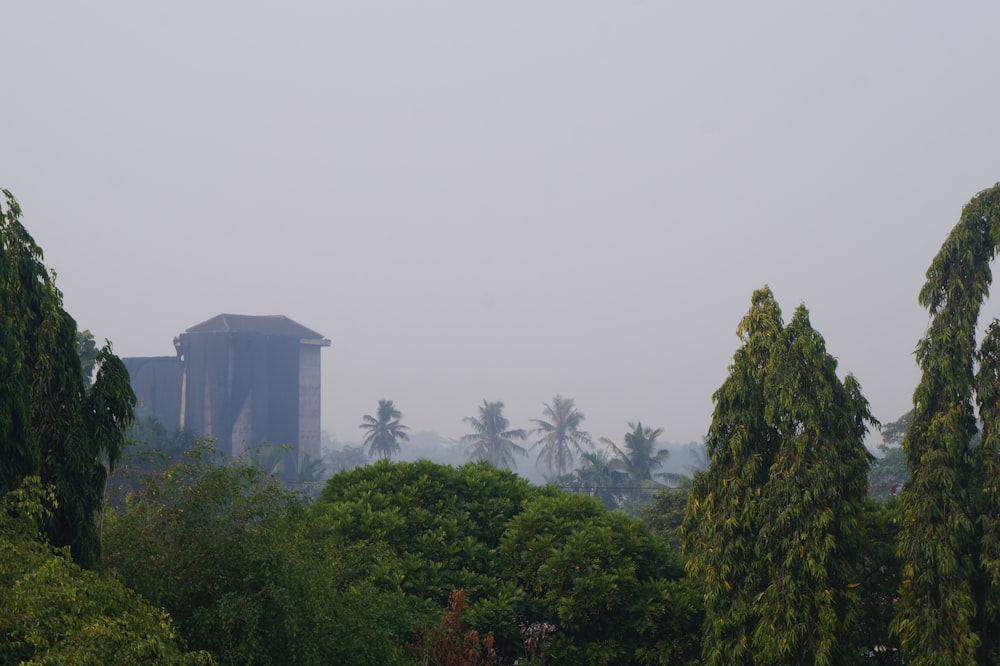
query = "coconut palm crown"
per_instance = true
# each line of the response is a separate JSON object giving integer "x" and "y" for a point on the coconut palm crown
{"x": 491, "y": 438}
{"x": 561, "y": 436}
{"x": 384, "y": 431}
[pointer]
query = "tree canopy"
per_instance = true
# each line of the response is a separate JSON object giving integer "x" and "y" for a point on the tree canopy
{"x": 384, "y": 430}
{"x": 948, "y": 543}
{"x": 54, "y": 612}
{"x": 639, "y": 454}
{"x": 528, "y": 557}
{"x": 51, "y": 425}
{"x": 773, "y": 525}
{"x": 492, "y": 439}
{"x": 560, "y": 435}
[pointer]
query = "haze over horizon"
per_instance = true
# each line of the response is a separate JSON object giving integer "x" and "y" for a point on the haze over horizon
{"x": 504, "y": 202}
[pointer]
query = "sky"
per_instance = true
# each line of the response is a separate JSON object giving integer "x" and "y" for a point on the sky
{"x": 504, "y": 201}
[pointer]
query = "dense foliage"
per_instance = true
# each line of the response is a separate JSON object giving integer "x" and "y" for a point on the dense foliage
{"x": 228, "y": 552}
{"x": 444, "y": 524}
{"x": 51, "y": 424}
{"x": 526, "y": 556}
{"x": 949, "y": 540}
{"x": 784, "y": 560}
{"x": 54, "y": 612}
{"x": 773, "y": 525}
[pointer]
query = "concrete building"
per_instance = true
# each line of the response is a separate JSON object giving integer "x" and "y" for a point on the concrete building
{"x": 243, "y": 380}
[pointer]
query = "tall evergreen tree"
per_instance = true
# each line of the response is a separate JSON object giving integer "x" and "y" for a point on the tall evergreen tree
{"x": 773, "y": 525}
{"x": 51, "y": 424}
{"x": 947, "y": 531}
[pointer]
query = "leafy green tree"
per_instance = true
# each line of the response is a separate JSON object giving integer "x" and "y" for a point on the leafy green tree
{"x": 443, "y": 523}
{"x": 947, "y": 611}
{"x": 878, "y": 584}
{"x": 894, "y": 433}
{"x": 491, "y": 438}
{"x": 384, "y": 432}
{"x": 524, "y": 556}
{"x": 612, "y": 590}
{"x": 54, "y": 612}
{"x": 773, "y": 526}
{"x": 231, "y": 554}
{"x": 888, "y": 472}
{"x": 51, "y": 425}
{"x": 665, "y": 515}
{"x": 561, "y": 436}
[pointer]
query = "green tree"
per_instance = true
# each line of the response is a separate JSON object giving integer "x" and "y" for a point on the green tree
{"x": 773, "y": 526}
{"x": 235, "y": 559}
{"x": 948, "y": 540}
{"x": 612, "y": 590}
{"x": 51, "y": 425}
{"x": 524, "y": 555}
{"x": 54, "y": 612}
{"x": 561, "y": 436}
{"x": 384, "y": 432}
{"x": 444, "y": 523}
{"x": 878, "y": 584}
{"x": 491, "y": 438}
{"x": 665, "y": 515}
{"x": 888, "y": 473}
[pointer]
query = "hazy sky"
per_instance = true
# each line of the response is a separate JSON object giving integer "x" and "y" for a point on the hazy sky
{"x": 504, "y": 200}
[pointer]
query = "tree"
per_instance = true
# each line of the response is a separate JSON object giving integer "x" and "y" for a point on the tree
{"x": 443, "y": 522}
{"x": 612, "y": 590}
{"x": 888, "y": 473}
{"x": 526, "y": 556}
{"x": 639, "y": 453}
{"x": 51, "y": 424}
{"x": 947, "y": 610}
{"x": 598, "y": 476}
{"x": 665, "y": 515}
{"x": 561, "y": 436}
{"x": 878, "y": 584}
{"x": 384, "y": 431}
{"x": 492, "y": 439}
{"x": 773, "y": 527}
{"x": 638, "y": 457}
{"x": 54, "y": 612}
{"x": 245, "y": 573}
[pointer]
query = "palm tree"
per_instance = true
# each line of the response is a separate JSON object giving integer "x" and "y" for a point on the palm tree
{"x": 560, "y": 435}
{"x": 384, "y": 431}
{"x": 491, "y": 440}
{"x": 640, "y": 455}
{"x": 600, "y": 476}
